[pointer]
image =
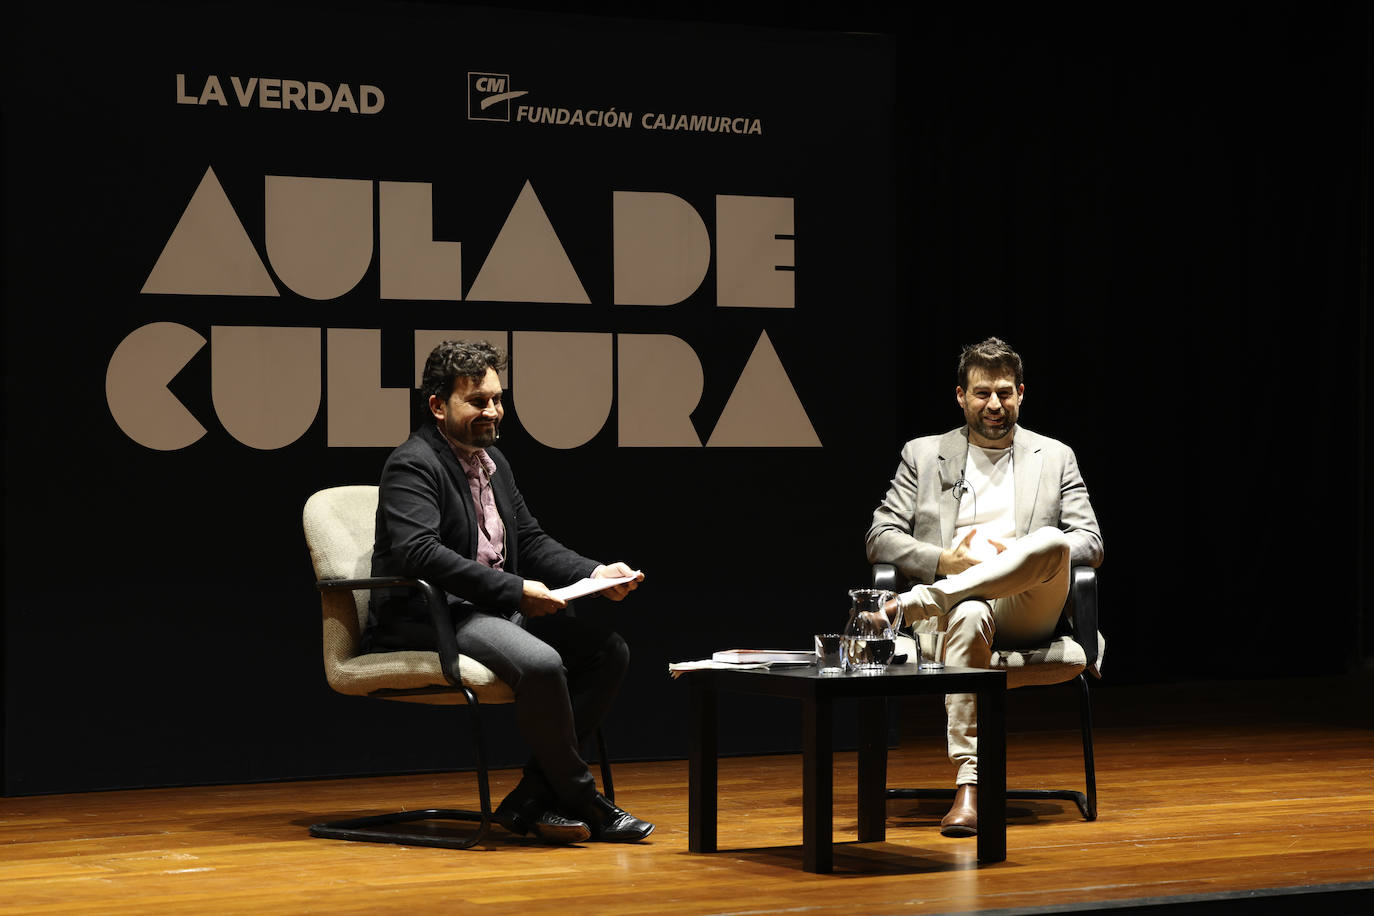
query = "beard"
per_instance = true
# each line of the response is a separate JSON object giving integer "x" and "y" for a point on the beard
{"x": 994, "y": 433}
{"x": 471, "y": 437}
{"x": 483, "y": 437}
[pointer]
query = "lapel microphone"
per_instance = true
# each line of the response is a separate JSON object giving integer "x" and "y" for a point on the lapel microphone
{"x": 961, "y": 486}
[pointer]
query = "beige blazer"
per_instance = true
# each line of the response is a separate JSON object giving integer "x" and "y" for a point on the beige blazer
{"x": 915, "y": 521}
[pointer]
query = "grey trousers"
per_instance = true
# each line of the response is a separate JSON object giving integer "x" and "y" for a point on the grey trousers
{"x": 1013, "y": 600}
{"x": 565, "y": 673}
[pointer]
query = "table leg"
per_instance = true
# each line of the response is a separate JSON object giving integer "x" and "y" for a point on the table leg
{"x": 992, "y": 773}
{"x": 701, "y": 770}
{"x": 873, "y": 770}
{"x": 817, "y": 786}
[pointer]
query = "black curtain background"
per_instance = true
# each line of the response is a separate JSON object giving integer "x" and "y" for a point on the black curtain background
{"x": 1164, "y": 208}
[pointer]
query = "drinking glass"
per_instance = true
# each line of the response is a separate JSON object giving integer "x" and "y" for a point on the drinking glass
{"x": 830, "y": 653}
{"x": 932, "y": 649}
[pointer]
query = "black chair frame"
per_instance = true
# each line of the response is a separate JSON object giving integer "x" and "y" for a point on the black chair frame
{"x": 374, "y": 828}
{"x": 1079, "y": 620}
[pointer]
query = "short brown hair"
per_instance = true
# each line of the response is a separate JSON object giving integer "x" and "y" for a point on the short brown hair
{"x": 992, "y": 355}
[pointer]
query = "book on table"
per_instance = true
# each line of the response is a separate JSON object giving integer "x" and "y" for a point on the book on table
{"x": 764, "y": 656}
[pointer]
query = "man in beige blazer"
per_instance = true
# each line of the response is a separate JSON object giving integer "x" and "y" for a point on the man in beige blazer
{"x": 988, "y": 519}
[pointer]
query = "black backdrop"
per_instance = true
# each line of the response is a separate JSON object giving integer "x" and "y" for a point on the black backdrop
{"x": 1165, "y": 212}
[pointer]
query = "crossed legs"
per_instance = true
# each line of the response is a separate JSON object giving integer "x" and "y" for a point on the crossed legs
{"x": 1011, "y": 600}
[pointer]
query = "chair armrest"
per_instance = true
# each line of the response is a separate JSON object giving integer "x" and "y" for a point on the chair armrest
{"x": 1081, "y": 609}
{"x": 886, "y": 576}
{"x": 348, "y": 585}
{"x": 438, "y": 610}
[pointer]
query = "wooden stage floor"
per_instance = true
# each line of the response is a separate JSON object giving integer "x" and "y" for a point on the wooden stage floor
{"x": 1248, "y": 798}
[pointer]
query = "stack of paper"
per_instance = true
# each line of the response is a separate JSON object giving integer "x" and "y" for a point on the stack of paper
{"x": 584, "y": 587}
{"x": 677, "y": 669}
{"x": 771, "y": 656}
{"x": 741, "y": 659}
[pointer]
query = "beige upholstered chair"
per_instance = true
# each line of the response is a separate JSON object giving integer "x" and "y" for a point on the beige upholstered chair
{"x": 339, "y": 528}
{"x": 1075, "y": 650}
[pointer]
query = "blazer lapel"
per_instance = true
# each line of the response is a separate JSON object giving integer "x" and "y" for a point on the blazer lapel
{"x": 953, "y": 458}
{"x": 458, "y": 478}
{"x": 500, "y": 491}
{"x": 1026, "y": 464}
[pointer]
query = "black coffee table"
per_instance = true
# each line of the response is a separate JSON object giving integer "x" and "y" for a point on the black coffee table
{"x": 818, "y": 694}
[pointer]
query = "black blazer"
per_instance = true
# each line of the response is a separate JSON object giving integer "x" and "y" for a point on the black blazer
{"x": 427, "y": 528}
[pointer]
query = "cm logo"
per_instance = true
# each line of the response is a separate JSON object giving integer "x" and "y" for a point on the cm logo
{"x": 489, "y": 96}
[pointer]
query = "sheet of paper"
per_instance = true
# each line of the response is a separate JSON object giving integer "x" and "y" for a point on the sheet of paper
{"x": 677, "y": 669}
{"x": 583, "y": 587}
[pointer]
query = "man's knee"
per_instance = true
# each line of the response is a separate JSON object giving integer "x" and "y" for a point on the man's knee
{"x": 970, "y": 615}
{"x": 541, "y": 665}
{"x": 617, "y": 654}
{"x": 1051, "y": 542}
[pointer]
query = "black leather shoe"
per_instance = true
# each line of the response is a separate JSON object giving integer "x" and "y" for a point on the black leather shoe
{"x": 610, "y": 824}
{"x": 558, "y": 830}
{"x": 530, "y": 817}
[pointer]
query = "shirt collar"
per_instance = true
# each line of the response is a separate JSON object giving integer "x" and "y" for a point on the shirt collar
{"x": 474, "y": 460}
{"x": 476, "y": 463}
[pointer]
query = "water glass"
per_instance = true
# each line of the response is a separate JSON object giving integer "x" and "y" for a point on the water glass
{"x": 830, "y": 653}
{"x": 932, "y": 647}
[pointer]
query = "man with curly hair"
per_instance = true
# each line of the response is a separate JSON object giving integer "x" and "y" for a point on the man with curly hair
{"x": 449, "y": 512}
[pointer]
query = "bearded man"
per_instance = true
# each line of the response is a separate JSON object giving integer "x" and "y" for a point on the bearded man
{"x": 449, "y": 512}
{"x": 987, "y": 519}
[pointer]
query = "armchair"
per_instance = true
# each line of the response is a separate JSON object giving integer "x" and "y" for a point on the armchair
{"x": 1075, "y": 651}
{"x": 339, "y": 530}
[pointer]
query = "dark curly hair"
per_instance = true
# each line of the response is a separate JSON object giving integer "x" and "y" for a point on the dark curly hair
{"x": 454, "y": 358}
{"x": 992, "y": 355}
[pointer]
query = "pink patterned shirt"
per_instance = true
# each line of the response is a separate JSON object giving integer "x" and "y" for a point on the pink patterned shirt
{"x": 491, "y": 531}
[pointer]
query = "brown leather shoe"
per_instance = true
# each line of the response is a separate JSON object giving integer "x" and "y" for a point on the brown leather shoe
{"x": 962, "y": 819}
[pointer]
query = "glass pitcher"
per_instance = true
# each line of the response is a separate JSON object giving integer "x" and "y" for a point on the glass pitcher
{"x": 870, "y": 636}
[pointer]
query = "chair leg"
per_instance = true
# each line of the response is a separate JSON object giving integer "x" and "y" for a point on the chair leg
{"x": 1089, "y": 808}
{"x": 372, "y": 829}
{"x": 607, "y": 785}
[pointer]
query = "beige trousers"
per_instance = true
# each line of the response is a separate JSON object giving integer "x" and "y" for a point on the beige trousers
{"x": 1010, "y": 601}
